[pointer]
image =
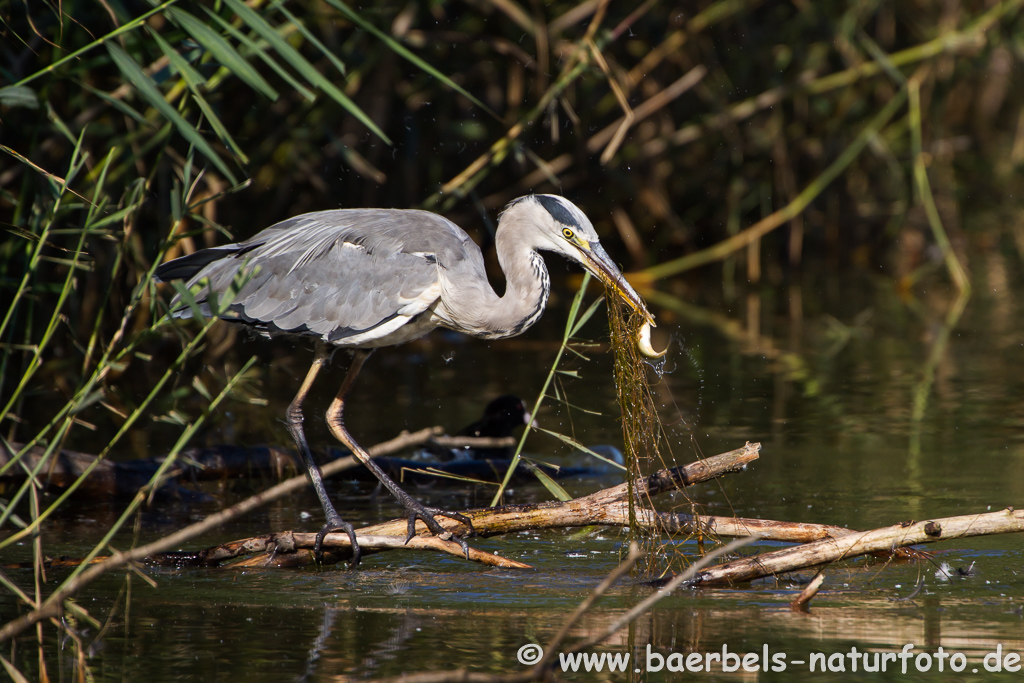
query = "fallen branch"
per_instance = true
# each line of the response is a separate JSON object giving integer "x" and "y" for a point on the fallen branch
{"x": 608, "y": 506}
{"x": 294, "y": 549}
{"x": 854, "y": 544}
{"x": 801, "y": 603}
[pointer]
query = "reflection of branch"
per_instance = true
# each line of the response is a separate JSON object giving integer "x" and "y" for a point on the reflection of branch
{"x": 924, "y": 191}
{"x": 53, "y": 605}
{"x": 956, "y": 272}
{"x": 794, "y": 364}
{"x": 678, "y": 580}
{"x": 543, "y": 668}
{"x": 624, "y": 567}
{"x": 923, "y": 389}
{"x": 970, "y": 38}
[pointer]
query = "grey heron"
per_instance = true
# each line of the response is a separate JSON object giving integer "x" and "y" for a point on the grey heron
{"x": 366, "y": 278}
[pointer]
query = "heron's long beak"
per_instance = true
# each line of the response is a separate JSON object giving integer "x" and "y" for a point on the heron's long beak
{"x": 597, "y": 261}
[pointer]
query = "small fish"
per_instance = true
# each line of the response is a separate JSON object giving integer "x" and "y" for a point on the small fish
{"x": 643, "y": 341}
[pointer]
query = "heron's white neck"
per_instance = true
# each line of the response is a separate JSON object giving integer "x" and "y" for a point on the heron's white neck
{"x": 527, "y": 285}
{"x": 470, "y": 305}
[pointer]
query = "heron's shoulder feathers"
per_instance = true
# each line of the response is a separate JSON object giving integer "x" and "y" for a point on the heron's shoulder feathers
{"x": 379, "y": 233}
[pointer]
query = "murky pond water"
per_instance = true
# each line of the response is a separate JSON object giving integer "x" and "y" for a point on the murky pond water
{"x": 827, "y": 382}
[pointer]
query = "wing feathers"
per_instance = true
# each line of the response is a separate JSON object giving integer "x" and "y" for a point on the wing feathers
{"x": 334, "y": 274}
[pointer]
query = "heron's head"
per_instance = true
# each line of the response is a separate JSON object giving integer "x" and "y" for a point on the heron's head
{"x": 553, "y": 223}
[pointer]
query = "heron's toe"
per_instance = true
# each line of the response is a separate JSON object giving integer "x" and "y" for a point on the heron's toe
{"x": 337, "y": 524}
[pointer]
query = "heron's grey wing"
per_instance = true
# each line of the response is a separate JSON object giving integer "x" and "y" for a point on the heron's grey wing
{"x": 347, "y": 276}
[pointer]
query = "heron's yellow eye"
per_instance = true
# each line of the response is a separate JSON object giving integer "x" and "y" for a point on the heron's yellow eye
{"x": 567, "y": 233}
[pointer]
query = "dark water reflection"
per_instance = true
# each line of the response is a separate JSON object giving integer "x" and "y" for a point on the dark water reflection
{"x": 827, "y": 384}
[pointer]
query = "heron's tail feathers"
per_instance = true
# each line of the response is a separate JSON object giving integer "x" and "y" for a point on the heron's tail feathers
{"x": 186, "y": 267}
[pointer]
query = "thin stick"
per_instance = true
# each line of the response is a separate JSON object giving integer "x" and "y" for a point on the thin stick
{"x": 52, "y": 607}
{"x": 800, "y": 603}
{"x": 646, "y": 604}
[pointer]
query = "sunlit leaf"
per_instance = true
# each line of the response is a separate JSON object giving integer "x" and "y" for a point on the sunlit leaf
{"x": 147, "y": 88}
{"x": 261, "y": 52}
{"x": 550, "y": 484}
{"x": 441, "y": 474}
{"x": 219, "y": 128}
{"x": 574, "y": 309}
{"x": 15, "y": 675}
{"x": 185, "y": 296}
{"x": 193, "y": 78}
{"x": 308, "y": 35}
{"x": 576, "y": 444}
{"x": 222, "y": 51}
{"x": 301, "y": 64}
{"x": 19, "y": 96}
{"x": 586, "y": 316}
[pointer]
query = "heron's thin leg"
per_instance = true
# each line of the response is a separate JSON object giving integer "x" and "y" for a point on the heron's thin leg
{"x": 336, "y": 423}
{"x": 294, "y": 421}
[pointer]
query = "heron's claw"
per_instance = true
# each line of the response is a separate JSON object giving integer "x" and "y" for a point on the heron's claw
{"x": 337, "y": 524}
{"x": 421, "y": 512}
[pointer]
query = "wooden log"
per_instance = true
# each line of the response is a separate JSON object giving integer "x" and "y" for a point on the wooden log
{"x": 861, "y": 543}
{"x": 591, "y": 509}
{"x": 607, "y": 506}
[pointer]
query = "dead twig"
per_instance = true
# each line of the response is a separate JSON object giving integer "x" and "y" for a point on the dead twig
{"x": 801, "y": 602}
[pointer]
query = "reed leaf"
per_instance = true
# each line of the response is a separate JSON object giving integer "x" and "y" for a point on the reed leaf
{"x": 149, "y": 91}
{"x": 222, "y": 51}
{"x": 302, "y": 65}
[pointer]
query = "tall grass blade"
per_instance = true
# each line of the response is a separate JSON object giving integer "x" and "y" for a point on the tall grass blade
{"x": 570, "y": 324}
{"x": 301, "y": 64}
{"x": 193, "y": 78}
{"x": 222, "y": 51}
{"x": 148, "y": 89}
{"x": 260, "y": 50}
{"x": 308, "y": 35}
{"x": 117, "y": 104}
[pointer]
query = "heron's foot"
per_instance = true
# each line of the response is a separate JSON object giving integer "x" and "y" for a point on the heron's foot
{"x": 336, "y": 523}
{"x": 417, "y": 511}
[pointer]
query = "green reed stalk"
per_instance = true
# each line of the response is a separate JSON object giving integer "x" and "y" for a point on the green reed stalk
{"x": 572, "y": 326}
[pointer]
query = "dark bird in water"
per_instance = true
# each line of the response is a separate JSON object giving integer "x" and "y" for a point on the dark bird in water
{"x": 366, "y": 278}
{"x": 501, "y": 418}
